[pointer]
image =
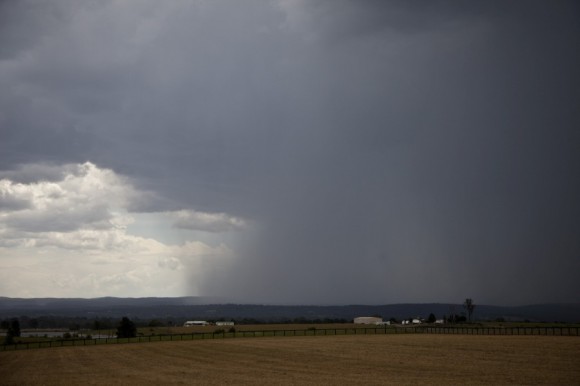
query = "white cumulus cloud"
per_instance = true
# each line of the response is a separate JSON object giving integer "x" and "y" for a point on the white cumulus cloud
{"x": 67, "y": 236}
{"x": 85, "y": 197}
{"x": 209, "y": 222}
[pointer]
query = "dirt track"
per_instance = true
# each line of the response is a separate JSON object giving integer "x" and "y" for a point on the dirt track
{"x": 379, "y": 359}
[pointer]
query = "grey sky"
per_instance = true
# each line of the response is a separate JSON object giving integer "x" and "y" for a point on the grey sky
{"x": 325, "y": 151}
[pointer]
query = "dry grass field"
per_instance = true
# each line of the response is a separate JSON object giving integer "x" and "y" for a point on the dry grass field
{"x": 330, "y": 360}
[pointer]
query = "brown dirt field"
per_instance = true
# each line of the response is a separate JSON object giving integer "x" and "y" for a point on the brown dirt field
{"x": 323, "y": 360}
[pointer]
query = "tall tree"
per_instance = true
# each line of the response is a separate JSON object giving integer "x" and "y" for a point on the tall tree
{"x": 431, "y": 318}
{"x": 126, "y": 328}
{"x": 14, "y": 328}
{"x": 13, "y": 331}
{"x": 469, "y": 307}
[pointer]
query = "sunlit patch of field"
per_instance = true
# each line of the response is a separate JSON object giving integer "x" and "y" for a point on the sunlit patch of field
{"x": 346, "y": 359}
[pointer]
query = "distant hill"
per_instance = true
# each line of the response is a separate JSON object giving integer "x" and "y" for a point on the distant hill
{"x": 211, "y": 309}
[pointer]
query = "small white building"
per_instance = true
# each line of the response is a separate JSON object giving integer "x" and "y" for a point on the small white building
{"x": 190, "y": 323}
{"x": 416, "y": 321}
{"x": 367, "y": 320}
{"x": 224, "y": 323}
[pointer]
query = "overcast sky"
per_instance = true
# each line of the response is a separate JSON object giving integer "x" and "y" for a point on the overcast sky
{"x": 291, "y": 151}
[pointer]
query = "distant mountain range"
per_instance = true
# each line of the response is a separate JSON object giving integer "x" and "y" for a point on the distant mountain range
{"x": 211, "y": 309}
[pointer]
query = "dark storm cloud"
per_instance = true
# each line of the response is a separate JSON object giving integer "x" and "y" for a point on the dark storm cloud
{"x": 387, "y": 151}
{"x": 15, "y": 35}
{"x": 434, "y": 163}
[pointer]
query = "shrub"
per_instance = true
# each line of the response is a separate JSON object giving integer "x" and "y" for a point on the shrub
{"x": 156, "y": 323}
{"x": 8, "y": 339}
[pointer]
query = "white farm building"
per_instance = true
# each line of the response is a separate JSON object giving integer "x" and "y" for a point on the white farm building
{"x": 190, "y": 323}
{"x": 368, "y": 320}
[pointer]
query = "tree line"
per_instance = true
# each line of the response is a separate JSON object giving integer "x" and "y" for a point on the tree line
{"x": 128, "y": 328}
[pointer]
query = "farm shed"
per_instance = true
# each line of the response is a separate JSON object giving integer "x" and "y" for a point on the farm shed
{"x": 224, "y": 323}
{"x": 367, "y": 320}
{"x": 190, "y": 323}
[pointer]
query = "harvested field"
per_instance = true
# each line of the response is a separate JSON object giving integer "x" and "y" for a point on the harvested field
{"x": 376, "y": 359}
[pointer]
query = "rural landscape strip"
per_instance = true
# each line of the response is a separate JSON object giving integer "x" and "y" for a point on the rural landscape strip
{"x": 537, "y": 331}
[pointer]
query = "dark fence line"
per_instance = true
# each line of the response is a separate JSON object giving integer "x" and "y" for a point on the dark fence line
{"x": 451, "y": 330}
